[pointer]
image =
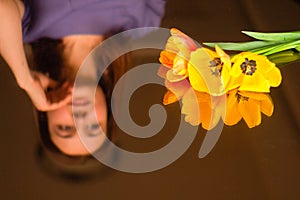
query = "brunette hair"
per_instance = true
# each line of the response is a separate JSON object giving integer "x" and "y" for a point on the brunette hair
{"x": 46, "y": 57}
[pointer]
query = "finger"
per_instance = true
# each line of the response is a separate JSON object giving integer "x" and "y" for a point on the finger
{"x": 62, "y": 91}
{"x": 53, "y": 106}
{"x": 42, "y": 78}
{"x": 71, "y": 88}
{"x": 57, "y": 95}
{"x": 67, "y": 86}
{"x": 52, "y": 83}
{"x": 61, "y": 103}
{"x": 64, "y": 85}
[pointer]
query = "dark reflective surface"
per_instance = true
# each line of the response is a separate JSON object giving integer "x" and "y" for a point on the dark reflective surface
{"x": 259, "y": 163}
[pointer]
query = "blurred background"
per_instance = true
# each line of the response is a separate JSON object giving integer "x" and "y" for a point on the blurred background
{"x": 258, "y": 163}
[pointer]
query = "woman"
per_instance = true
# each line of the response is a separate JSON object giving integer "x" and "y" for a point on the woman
{"x": 66, "y": 32}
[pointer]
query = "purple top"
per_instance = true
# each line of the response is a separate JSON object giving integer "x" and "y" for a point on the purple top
{"x": 58, "y": 18}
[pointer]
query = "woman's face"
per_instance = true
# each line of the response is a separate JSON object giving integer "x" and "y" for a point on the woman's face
{"x": 90, "y": 114}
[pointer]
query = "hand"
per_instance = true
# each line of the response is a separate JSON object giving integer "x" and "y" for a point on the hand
{"x": 44, "y": 101}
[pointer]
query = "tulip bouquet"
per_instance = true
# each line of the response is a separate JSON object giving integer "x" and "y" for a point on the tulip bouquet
{"x": 213, "y": 85}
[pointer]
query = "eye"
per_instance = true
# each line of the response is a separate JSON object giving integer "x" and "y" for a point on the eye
{"x": 94, "y": 130}
{"x": 93, "y": 127}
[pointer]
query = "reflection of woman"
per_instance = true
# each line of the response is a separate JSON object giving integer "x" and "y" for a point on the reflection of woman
{"x": 62, "y": 34}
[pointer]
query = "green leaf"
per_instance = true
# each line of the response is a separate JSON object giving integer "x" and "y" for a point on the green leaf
{"x": 282, "y": 47}
{"x": 241, "y": 46}
{"x": 280, "y": 37}
{"x": 265, "y": 49}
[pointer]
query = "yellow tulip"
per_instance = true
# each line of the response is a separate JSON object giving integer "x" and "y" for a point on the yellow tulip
{"x": 254, "y": 73}
{"x": 208, "y": 71}
{"x": 214, "y": 87}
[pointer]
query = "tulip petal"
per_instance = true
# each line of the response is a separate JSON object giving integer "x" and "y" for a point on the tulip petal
{"x": 226, "y": 80}
{"x": 189, "y": 42}
{"x": 267, "y": 106}
{"x": 193, "y": 104}
{"x": 178, "y": 88}
{"x": 171, "y": 45}
{"x": 190, "y": 107}
{"x": 169, "y": 98}
{"x": 234, "y": 82}
{"x": 255, "y": 83}
{"x": 236, "y": 67}
{"x": 254, "y": 95}
{"x": 250, "y": 110}
{"x": 162, "y": 71}
{"x": 170, "y": 76}
{"x": 233, "y": 115}
{"x": 200, "y": 74}
{"x": 198, "y": 109}
{"x": 224, "y": 57}
{"x": 273, "y": 76}
{"x": 263, "y": 63}
{"x": 167, "y": 58}
{"x": 219, "y": 105}
{"x": 180, "y": 65}
{"x": 206, "y": 112}
{"x": 196, "y": 79}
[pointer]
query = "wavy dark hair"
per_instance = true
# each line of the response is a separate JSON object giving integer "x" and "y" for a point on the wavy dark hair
{"x": 46, "y": 57}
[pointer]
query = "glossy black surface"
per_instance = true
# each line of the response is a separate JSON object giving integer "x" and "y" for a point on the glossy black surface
{"x": 258, "y": 163}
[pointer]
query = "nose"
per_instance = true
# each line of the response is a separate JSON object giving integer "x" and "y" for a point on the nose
{"x": 80, "y": 114}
